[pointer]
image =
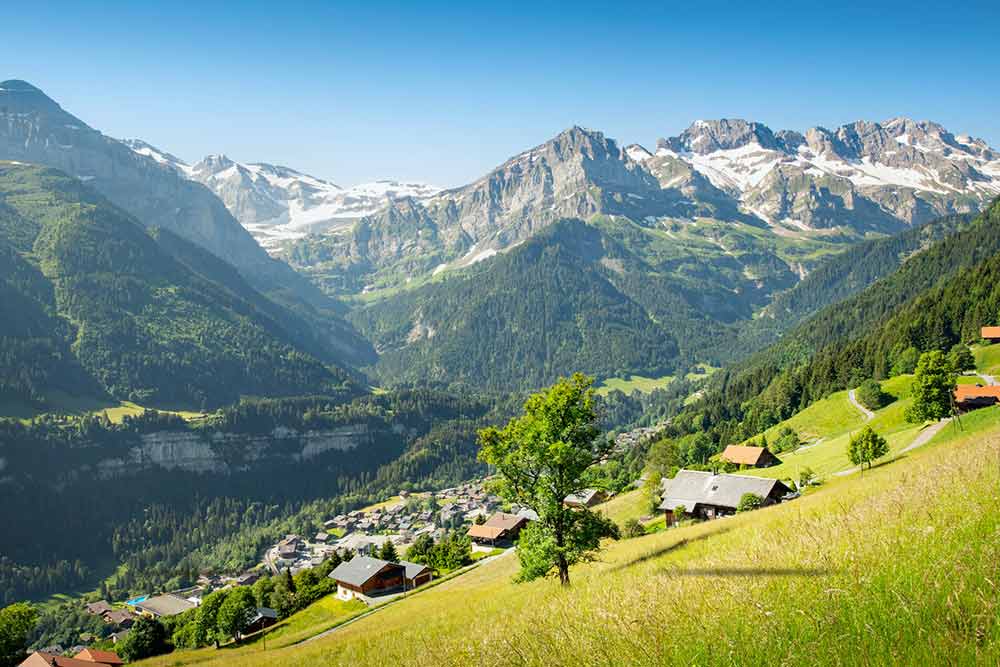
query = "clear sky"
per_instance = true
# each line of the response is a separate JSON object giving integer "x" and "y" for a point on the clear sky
{"x": 442, "y": 92}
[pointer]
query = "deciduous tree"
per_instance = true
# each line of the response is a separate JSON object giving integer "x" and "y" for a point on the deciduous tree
{"x": 933, "y": 384}
{"x": 866, "y": 447}
{"x": 541, "y": 458}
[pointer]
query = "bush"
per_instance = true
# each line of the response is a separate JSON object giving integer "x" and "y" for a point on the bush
{"x": 870, "y": 395}
{"x": 961, "y": 359}
{"x": 786, "y": 441}
{"x": 806, "y": 477}
{"x": 633, "y": 528}
{"x": 749, "y": 502}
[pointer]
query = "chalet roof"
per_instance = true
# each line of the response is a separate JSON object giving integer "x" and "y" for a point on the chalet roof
{"x": 505, "y": 521}
{"x": 104, "y": 657}
{"x": 414, "y": 570}
{"x": 481, "y": 530}
{"x": 743, "y": 455}
{"x": 165, "y": 605}
{"x": 964, "y": 392}
{"x": 359, "y": 570}
{"x": 582, "y": 498}
{"x": 117, "y": 616}
{"x": 694, "y": 487}
{"x": 99, "y": 607}
{"x": 41, "y": 659}
{"x": 266, "y": 612}
{"x": 990, "y": 332}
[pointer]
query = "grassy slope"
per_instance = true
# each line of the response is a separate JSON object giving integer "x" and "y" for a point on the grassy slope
{"x": 987, "y": 358}
{"x": 634, "y": 383}
{"x": 894, "y": 566}
{"x": 831, "y": 422}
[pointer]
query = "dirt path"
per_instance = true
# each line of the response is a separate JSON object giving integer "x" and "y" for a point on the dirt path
{"x": 922, "y": 439}
{"x": 869, "y": 415}
{"x": 988, "y": 379}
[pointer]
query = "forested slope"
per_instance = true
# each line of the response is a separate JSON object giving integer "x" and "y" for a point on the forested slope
{"x": 89, "y": 287}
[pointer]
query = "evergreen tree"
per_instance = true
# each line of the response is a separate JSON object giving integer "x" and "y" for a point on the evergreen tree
{"x": 961, "y": 359}
{"x": 388, "y": 552}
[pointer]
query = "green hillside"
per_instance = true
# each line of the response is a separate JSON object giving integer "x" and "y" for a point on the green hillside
{"x": 866, "y": 565}
{"x": 98, "y": 304}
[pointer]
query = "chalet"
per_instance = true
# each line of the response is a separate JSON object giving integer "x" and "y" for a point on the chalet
{"x": 116, "y": 637}
{"x": 121, "y": 618}
{"x": 709, "y": 496}
{"x": 500, "y": 528}
{"x": 973, "y": 396}
{"x": 321, "y": 537}
{"x": 100, "y": 657}
{"x": 264, "y": 618}
{"x": 416, "y": 574}
{"x": 246, "y": 579}
{"x": 164, "y": 605}
{"x": 753, "y": 457}
{"x": 991, "y": 334}
{"x": 98, "y": 608}
{"x": 363, "y": 576}
{"x": 586, "y": 498}
{"x": 362, "y": 544}
{"x": 42, "y": 659}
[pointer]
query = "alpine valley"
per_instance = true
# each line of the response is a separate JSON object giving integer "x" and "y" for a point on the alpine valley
{"x": 200, "y": 361}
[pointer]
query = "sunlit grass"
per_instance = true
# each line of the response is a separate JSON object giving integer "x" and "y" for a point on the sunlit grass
{"x": 634, "y": 383}
{"x": 898, "y": 566}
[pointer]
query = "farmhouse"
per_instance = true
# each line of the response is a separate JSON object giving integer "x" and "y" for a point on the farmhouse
{"x": 119, "y": 617}
{"x": 265, "y": 617}
{"x": 363, "y": 576}
{"x": 499, "y": 528}
{"x": 416, "y": 574}
{"x": 709, "y": 496}
{"x": 98, "y": 608}
{"x": 586, "y": 498}
{"x": 973, "y": 396}
{"x": 991, "y": 334}
{"x": 754, "y": 457}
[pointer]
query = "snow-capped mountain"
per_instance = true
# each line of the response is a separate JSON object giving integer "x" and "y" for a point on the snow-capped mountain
{"x": 277, "y": 203}
{"x": 864, "y": 175}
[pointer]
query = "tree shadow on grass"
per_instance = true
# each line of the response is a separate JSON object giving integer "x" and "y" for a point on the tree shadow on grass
{"x": 659, "y": 553}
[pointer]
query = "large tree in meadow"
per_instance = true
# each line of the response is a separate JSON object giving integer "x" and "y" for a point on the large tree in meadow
{"x": 541, "y": 458}
{"x": 933, "y": 384}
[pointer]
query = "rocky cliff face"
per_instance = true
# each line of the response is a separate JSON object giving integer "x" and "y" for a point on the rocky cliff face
{"x": 227, "y": 453}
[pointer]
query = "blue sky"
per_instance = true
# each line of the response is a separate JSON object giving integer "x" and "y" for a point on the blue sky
{"x": 439, "y": 93}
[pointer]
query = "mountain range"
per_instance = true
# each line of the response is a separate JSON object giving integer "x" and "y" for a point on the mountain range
{"x": 572, "y": 244}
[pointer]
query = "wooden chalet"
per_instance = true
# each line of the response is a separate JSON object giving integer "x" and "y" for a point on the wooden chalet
{"x": 500, "y": 528}
{"x": 708, "y": 496}
{"x": 265, "y": 617}
{"x": 363, "y": 576}
{"x": 751, "y": 457}
{"x": 973, "y": 396}
{"x": 586, "y": 498}
{"x": 990, "y": 334}
{"x": 416, "y": 574}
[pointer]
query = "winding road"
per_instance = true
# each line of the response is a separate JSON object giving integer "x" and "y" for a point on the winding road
{"x": 869, "y": 415}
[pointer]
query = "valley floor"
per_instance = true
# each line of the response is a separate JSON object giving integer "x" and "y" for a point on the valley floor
{"x": 900, "y": 565}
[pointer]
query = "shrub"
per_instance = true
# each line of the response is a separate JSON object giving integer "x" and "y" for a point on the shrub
{"x": 749, "y": 502}
{"x": 870, "y": 395}
{"x": 633, "y": 528}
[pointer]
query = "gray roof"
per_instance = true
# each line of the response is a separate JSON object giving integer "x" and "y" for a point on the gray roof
{"x": 359, "y": 569}
{"x": 165, "y": 605}
{"x": 413, "y": 569}
{"x": 693, "y": 487}
{"x": 266, "y": 612}
{"x": 582, "y": 498}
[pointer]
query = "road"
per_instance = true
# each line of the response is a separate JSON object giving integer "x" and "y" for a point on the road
{"x": 869, "y": 415}
{"x": 922, "y": 439}
{"x": 988, "y": 379}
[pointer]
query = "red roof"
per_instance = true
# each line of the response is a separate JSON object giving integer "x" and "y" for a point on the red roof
{"x": 743, "y": 455}
{"x": 990, "y": 332}
{"x": 965, "y": 392}
{"x": 105, "y": 657}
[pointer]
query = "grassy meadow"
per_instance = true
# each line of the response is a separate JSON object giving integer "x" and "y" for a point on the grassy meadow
{"x": 900, "y": 565}
{"x": 634, "y": 383}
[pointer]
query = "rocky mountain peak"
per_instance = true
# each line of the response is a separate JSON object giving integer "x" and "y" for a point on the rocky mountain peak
{"x": 708, "y": 136}
{"x": 20, "y": 97}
